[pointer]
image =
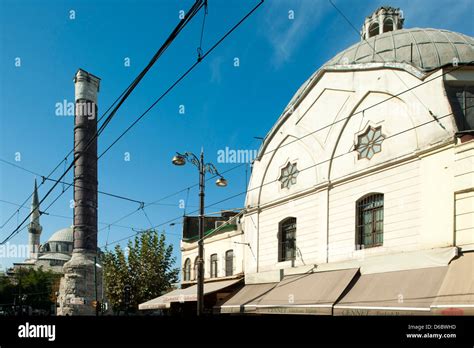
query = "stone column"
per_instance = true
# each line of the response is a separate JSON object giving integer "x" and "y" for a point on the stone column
{"x": 82, "y": 277}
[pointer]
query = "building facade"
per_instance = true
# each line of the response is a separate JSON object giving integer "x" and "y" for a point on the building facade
{"x": 224, "y": 249}
{"x": 361, "y": 200}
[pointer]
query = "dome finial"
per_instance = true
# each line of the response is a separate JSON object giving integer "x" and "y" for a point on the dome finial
{"x": 382, "y": 20}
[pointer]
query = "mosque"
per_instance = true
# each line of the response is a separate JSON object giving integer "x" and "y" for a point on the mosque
{"x": 55, "y": 252}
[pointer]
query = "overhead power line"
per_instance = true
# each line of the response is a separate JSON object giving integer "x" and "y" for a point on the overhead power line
{"x": 183, "y": 22}
{"x": 273, "y": 181}
{"x": 331, "y": 124}
{"x": 193, "y": 11}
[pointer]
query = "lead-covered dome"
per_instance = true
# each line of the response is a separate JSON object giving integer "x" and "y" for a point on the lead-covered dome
{"x": 63, "y": 235}
{"x": 424, "y": 49}
{"x": 417, "y": 51}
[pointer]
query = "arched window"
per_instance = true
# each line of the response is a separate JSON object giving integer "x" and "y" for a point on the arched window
{"x": 373, "y": 29}
{"x": 195, "y": 268}
{"x": 287, "y": 239}
{"x": 214, "y": 266}
{"x": 388, "y": 25}
{"x": 369, "y": 213}
{"x": 187, "y": 270}
{"x": 229, "y": 262}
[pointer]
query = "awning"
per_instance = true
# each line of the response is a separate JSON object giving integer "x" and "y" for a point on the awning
{"x": 185, "y": 295}
{"x": 156, "y": 303}
{"x": 313, "y": 293}
{"x": 456, "y": 295}
{"x": 245, "y": 299}
{"x": 393, "y": 293}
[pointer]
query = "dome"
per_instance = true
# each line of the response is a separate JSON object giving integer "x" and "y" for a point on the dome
{"x": 55, "y": 256}
{"x": 417, "y": 51}
{"x": 63, "y": 235}
{"x": 424, "y": 49}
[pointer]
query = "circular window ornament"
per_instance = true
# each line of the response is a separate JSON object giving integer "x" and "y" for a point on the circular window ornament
{"x": 370, "y": 142}
{"x": 288, "y": 175}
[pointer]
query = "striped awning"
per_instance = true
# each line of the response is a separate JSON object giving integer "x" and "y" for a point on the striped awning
{"x": 186, "y": 295}
{"x": 456, "y": 294}
{"x": 313, "y": 293}
{"x": 408, "y": 292}
{"x": 246, "y": 299}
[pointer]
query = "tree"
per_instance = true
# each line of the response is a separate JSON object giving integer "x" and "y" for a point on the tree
{"x": 29, "y": 287}
{"x": 148, "y": 268}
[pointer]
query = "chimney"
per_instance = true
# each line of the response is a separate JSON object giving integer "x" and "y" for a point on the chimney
{"x": 85, "y": 168}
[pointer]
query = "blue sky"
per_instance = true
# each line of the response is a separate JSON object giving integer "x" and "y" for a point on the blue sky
{"x": 225, "y": 106}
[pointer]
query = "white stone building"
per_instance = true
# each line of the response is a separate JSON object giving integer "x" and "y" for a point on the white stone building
{"x": 224, "y": 249}
{"x": 223, "y": 252}
{"x": 361, "y": 200}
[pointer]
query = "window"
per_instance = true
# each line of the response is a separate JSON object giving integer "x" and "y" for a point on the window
{"x": 196, "y": 268}
{"x": 214, "y": 266}
{"x": 187, "y": 270}
{"x": 229, "y": 263}
{"x": 287, "y": 239}
{"x": 370, "y": 142}
{"x": 387, "y": 25}
{"x": 288, "y": 175}
{"x": 373, "y": 29}
{"x": 461, "y": 99}
{"x": 369, "y": 210}
{"x": 56, "y": 262}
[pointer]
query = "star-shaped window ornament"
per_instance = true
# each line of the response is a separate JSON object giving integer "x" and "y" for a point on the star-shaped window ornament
{"x": 370, "y": 142}
{"x": 288, "y": 175}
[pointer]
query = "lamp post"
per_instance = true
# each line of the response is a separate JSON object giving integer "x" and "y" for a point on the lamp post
{"x": 180, "y": 160}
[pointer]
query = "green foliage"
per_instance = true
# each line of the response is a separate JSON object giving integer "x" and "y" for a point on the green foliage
{"x": 148, "y": 269}
{"x": 30, "y": 287}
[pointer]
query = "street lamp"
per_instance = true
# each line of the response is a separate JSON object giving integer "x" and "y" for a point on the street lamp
{"x": 180, "y": 160}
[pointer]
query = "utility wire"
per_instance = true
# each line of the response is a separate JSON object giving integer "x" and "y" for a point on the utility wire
{"x": 167, "y": 91}
{"x": 216, "y": 44}
{"x": 333, "y": 123}
{"x": 69, "y": 184}
{"x": 383, "y": 60}
{"x": 189, "y": 15}
{"x": 191, "y": 68}
{"x": 69, "y": 153}
{"x": 290, "y": 142}
{"x": 364, "y": 110}
{"x": 351, "y": 115}
{"x": 273, "y": 181}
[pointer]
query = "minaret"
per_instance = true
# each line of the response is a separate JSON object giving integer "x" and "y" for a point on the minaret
{"x": 82, "y": 279}
{"x": 34, "y": 228}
